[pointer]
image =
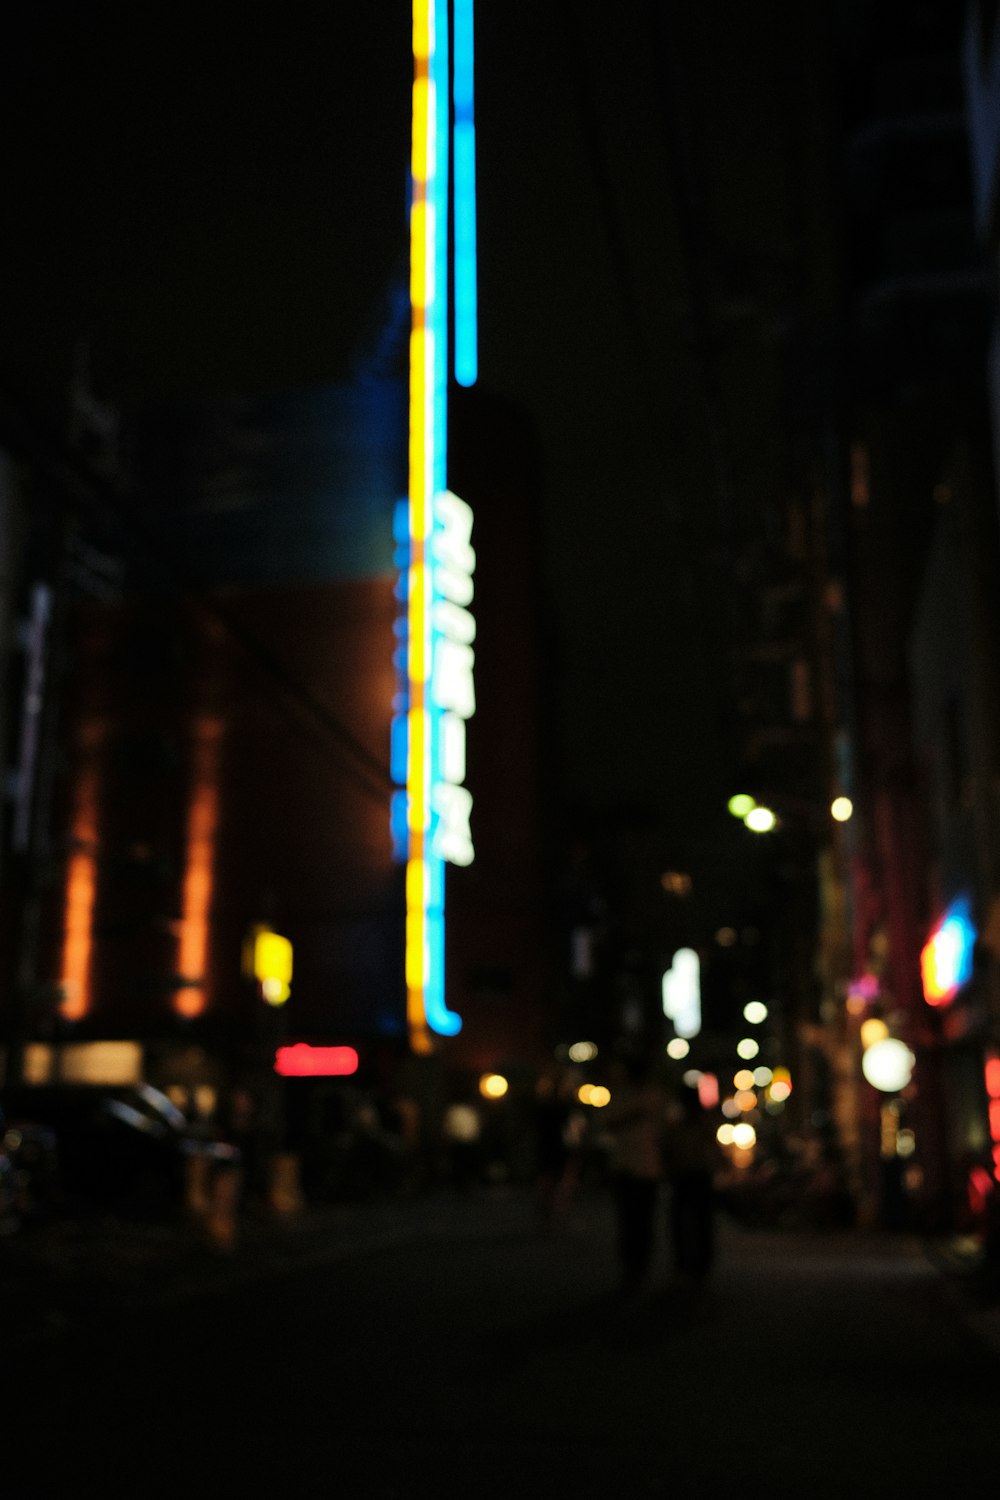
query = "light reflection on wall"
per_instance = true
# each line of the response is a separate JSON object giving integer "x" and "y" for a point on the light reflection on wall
{"x": 198, "y": 882}
{"x": 81, "y": 891}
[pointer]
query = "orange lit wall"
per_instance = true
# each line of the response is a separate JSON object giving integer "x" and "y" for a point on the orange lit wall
{"x": 198, "y": 880}
{"x": 80, "y": 895}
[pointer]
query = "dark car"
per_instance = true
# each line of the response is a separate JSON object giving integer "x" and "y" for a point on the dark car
{"x": 123, "y": 1149}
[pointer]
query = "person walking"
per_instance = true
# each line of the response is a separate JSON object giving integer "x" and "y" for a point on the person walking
{"x": 634, "y": 1120}
{"x": 692, "y": 1161}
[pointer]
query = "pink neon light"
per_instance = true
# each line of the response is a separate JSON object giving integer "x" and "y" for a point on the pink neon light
{"x": 864, "y": 988}
{"x": 302, "y": 1061}
{"x": 708, "y": 1090}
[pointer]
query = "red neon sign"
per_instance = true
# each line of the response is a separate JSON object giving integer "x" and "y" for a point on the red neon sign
{"x": 300, "y": 1060}
{"x": 993, "y": 1077}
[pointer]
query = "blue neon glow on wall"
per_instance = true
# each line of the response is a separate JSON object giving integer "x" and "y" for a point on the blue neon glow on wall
{"x": 464, "y": 147}
{"x": 957, "y": 940}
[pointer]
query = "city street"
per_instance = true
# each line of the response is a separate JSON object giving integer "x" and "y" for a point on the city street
{"x": 450, "y": 1347}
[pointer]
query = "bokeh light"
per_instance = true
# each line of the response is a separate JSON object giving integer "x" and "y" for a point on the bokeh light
{"x": 887, "y": 1065}
{"x": 740, "y": 804}
{"x": 743, "y": 1079}
{"x": 582, "y": 1051}
{"x": 744, "y": 1135}
{"x": 841, "y": 809}
{"x": 493, "y": 1085}
{"x": 873, "y": 1030}
{"x": 678, "y": 1048}
{"x": 760, "y": 820}
{"x": 755, "y": 1011}
{"x": 747, "y": 1047}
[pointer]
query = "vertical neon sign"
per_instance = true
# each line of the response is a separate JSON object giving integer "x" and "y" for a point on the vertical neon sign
{"x": 466, "y": 315}
{"x": 431, "y": 816}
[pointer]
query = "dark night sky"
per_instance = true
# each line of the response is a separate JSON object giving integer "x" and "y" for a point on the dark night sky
{"x": 214, "y": 196}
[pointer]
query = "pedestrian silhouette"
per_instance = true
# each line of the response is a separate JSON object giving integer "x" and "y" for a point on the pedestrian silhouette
{"x": 693, "y": 1160}
{"x": 558, "y": 1145}
{"x": 634, "y": 1120}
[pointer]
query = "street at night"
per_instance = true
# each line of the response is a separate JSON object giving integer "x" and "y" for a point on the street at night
{"x": 499, "y": 749}
{"x": 451, "y": 1347}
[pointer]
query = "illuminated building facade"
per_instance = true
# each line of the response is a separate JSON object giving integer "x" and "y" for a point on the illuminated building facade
{"x": 269, "y": 719}
{"x": 921, "y": 532}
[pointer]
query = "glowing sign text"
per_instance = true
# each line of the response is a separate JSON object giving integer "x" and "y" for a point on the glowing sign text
{"x": 302, "y": 1061}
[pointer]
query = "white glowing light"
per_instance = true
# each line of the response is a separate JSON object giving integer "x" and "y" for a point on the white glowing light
{"x": 760, "y": 820}
{"x": 841, "y": 809}
{"x": 888, "y": 1065}
{"x": 744, "y": 1136}
{"x": 724, "y": 1135}
{"x": 755, "y": 1011}
{"x": 762, "y": 1077}
{"x": 681, "y": 992}
{"x": 747, "y": 1048}
{"x": 678, "y": 1048}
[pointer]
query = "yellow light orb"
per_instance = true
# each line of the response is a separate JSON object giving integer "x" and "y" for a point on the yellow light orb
{"x": 780, "y": 1090}
{"x": 678, "y": 1048}
{"x": 724, "y": 1135}
{"x": 493, "y": 1085}
{"x": 755, "y": 1011}
{"x": 747, "y": 1048}
{"x": 746, "y": 1099}
{"x": 841, "y": 809}
{"x": 744, "y": 1136}
{"x": 599, "y": 1096}
{"x": 743, "y": 1079}
{"x": 873, "y": 1030}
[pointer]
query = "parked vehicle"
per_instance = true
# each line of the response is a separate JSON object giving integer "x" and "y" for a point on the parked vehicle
{"x": 123, "y": 1149}
{"x": 29, "y": 1174}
